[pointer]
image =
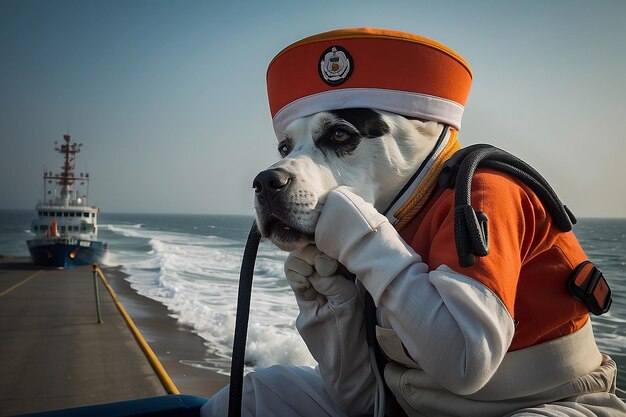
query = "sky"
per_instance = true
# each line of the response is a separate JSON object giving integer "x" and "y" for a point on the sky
{"x": 169, "y": 97}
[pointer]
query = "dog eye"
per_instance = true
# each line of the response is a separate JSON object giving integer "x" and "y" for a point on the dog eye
{"x": 283, "y": 149}
{"x": 340, "y": 135}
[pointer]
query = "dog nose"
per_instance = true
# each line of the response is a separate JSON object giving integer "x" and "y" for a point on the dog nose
{"x": 269, "y": 183}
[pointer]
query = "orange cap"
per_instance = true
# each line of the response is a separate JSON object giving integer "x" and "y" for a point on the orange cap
{"x": 374, "y": 68}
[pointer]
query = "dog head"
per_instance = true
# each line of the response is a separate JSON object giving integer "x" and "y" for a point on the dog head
{"x": 373, "y": 152}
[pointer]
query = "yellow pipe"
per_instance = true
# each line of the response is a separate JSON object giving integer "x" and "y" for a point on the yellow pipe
{"x": 167, "y": 382}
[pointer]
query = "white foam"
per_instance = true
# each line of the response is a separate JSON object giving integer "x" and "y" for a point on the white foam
{"x": 197, "y": 278}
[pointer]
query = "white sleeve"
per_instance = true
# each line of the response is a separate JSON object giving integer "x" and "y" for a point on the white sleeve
{"x": 331, "y": 324}
{"x": 335, "y": 336}
{"x": 454, "y": 326}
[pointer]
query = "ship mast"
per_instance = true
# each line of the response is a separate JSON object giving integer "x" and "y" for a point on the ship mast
{"x": 66, "y": 178}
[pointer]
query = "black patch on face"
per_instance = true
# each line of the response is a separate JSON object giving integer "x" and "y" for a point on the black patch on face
{"x": 369, "y": 123}
{"x": 357, "y": 124}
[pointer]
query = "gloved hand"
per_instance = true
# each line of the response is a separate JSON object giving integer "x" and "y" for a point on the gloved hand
{"x": 313, "y": 277}
{"x": 352, "y": 231}
{"x": 332, "y": 326}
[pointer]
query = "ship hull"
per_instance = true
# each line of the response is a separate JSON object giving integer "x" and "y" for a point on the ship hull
{"x": 66, "y": 253}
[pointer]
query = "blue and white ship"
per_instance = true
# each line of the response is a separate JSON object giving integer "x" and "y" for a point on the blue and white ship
{"x": 66, "y": 227}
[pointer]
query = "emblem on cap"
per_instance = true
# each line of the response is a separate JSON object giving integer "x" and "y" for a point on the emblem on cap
{"x": 335, "y": 65}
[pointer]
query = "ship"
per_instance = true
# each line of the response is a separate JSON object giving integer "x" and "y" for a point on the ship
{"x": 66, "y": 226}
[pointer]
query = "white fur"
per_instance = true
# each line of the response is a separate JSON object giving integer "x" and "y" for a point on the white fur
{"x": 376, "y": 170}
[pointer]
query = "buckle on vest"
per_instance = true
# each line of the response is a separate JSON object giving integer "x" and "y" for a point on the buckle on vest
{"x": 588, "y": 285}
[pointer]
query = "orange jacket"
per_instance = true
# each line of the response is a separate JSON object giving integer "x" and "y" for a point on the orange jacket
{"x": 529, "y": 258}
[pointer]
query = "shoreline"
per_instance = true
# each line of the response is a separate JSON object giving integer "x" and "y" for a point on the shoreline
{"x": 183, "y": 354}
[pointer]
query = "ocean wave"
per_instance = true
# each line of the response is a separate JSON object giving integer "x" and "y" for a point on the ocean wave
{"x": 210, "y": 310}
{"x": 268, "y": 268}
{"x": 196, "y": 277}
{"x": 140, "y": 231}
{"x": 122, "y": 230}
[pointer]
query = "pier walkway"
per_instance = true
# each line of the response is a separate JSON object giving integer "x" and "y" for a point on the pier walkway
{"x": 53, "y": 352}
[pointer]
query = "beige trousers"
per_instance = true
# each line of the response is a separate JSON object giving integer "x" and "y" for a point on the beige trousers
{"x": 284, "y": 391}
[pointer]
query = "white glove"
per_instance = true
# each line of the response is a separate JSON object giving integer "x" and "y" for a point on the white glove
{"x": 354, "y": 232}
{"x": 332, "y": 326}
{"x": 313, "y": 277}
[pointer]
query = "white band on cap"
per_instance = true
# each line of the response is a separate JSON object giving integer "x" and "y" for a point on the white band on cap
{"x": 401, "y": 102}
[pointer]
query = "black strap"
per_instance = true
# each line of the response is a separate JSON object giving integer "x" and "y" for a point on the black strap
{"x": 470, "y": 227}
{"x": 588, "y": 285}
{"x": 370, "y": 331}
{"x": 235, "y": 395}
{"x": 471, "y": 238}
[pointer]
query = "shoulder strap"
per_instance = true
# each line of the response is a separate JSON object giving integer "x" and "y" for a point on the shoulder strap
{"x": 586, "y": 283}
{"x": 470, "y": 227}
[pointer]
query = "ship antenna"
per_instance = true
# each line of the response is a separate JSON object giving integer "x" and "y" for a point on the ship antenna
{"x": 67, "y": 178}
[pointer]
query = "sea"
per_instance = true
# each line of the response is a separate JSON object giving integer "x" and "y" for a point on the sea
{"x": 191, "y": 264}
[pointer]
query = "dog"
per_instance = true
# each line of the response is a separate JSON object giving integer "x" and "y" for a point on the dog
{"x": 374, "y": 153}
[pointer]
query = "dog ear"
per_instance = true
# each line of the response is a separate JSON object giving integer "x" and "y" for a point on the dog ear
{"x": 427, "y": 128}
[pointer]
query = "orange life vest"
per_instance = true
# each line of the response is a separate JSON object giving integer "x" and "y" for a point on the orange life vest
{"x": 529, "y": 262}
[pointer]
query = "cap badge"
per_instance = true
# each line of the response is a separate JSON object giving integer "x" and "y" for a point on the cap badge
{"x": 335, "y": 65}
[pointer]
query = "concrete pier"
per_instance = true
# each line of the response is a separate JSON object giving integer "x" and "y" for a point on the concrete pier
{"x": 54, "y": 354}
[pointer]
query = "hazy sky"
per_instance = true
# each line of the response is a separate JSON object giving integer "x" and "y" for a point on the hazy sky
{"x": 168, "y": 97}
